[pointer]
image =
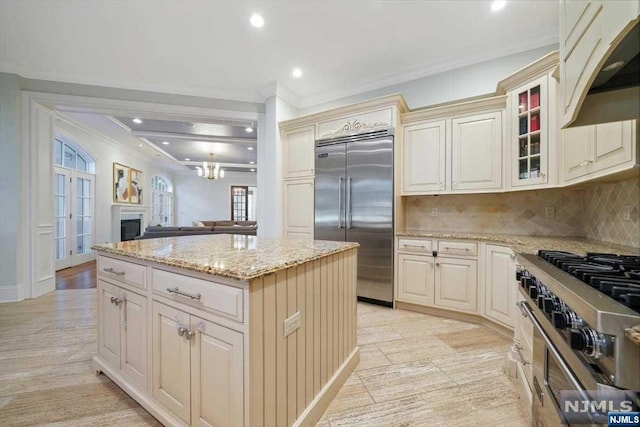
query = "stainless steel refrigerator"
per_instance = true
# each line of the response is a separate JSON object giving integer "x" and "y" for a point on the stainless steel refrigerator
{"x": 354, "y": 203}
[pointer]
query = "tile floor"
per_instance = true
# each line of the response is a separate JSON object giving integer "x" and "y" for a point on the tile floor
{"x": 415, "y": 370}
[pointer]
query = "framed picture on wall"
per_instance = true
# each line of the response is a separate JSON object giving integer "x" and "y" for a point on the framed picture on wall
{"x": 135, "y": 186}
{"x": 120, "y": 183}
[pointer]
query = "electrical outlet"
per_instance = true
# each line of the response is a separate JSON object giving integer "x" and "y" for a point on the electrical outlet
{"x": 292, "y": 323}
{"x": 626, "y": 213}
{"x": 434, "y": 211}
{"x": 549, "y": 212}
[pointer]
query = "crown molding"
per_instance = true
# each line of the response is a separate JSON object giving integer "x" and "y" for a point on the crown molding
{"x": 457, "y": 108}
{"x": 190, "y": 137}
{"x": 396, "y": 99}
{"x": 532, "y": 71}
{"x": 418, "y": 73}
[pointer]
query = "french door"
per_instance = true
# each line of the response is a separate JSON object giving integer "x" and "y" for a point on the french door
{"x": 74, "y": 220}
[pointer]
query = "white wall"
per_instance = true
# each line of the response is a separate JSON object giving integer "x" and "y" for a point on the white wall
{"x": 459, "y": 83}
{"x": 104, "y": 153}
{"x": 10, "y": 188}
{"x": 200, "y": 199}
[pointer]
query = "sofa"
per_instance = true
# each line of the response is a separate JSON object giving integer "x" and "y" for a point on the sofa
{"x": 248, "y": 228}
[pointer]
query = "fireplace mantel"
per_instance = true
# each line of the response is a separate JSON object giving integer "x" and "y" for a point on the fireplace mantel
{"x": 120, "y": 212}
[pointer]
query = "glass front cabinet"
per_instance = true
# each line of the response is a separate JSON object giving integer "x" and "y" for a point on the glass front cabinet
{"x": 529, "y": 133}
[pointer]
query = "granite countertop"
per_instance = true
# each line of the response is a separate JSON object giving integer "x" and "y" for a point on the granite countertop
{"x": 227, "y": 255}
{"x": 530, "y": 244}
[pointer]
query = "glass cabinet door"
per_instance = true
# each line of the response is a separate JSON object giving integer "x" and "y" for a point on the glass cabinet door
{"x": 529, "y": 118}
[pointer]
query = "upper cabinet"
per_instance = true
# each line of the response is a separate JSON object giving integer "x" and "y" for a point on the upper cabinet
{"x": 590, "y": 152}
{"x": 424, "y": 168}
{"x": 453, "y": 148}
{"x": 297, "y": 149}
{"x": 476, "y": 152}
{"x": 589, "y": 31}
{"x": 531, "y": 141}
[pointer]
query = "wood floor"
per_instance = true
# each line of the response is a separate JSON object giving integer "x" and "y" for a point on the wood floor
{"x": 415, "y": 370}
{"x": 81, "y": 276}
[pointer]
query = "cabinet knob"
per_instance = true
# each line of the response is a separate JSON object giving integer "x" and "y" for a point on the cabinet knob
{"x": 116, "y": 301}
{"x": 182, "y": 330}
{"x": 437, "y": 264}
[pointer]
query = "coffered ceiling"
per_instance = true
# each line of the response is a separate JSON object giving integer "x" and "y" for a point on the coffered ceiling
{"x": 209, "y": 48}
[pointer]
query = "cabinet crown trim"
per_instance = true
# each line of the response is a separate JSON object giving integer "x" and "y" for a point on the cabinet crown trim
{"x": 534, "y": 70}
{"x": 396, "y": 99}
{"x": 355, "y": 125}
{"x": 475, "y": 106}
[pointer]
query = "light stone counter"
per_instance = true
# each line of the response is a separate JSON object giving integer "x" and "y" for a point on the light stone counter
{"x": 530, "y": 244}
{"x": 227, "y": 255}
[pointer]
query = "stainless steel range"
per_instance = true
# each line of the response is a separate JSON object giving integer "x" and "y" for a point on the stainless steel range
{"x": 580, "y": 307}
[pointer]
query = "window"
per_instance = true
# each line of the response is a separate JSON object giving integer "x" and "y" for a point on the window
{"x": 161, "y": 202}
{"x": 239, "y": 203}
{"x": 68, "y": 154}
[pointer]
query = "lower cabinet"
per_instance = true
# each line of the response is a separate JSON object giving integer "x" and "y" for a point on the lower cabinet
{"x": 122, "y": 335}
{"x": 500, "y": 270}
{"x": 416, "y": 278}
{"x": 456, "y": 284}
{"x": 197, "y": 368}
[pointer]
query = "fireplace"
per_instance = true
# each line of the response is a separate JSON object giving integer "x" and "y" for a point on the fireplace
{"x": 129, "y": 229}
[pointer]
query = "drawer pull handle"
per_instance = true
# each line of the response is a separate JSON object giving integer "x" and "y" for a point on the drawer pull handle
{"x": 111, "y": 270}
{"x": 448, "y": 248}
{"x": 184, "y": 294}
{"x": 414, "y": 246}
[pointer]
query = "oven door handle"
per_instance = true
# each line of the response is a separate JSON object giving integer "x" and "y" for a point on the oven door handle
{"x": 524, "y": 306}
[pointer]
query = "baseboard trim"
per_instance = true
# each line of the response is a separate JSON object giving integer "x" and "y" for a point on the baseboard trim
{"x": 456, "y": 315}
{"x": 11, "y": 293}
{"x": 140, "y": 396}
{"x": 319, "y": 405}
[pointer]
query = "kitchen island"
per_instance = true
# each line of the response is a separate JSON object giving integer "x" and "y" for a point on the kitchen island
{"x": 228, "y": 330}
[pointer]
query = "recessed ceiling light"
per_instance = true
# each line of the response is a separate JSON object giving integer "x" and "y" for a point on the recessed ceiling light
{"x": 139, "y": 145}
{"x": 250, "y": 148}
{"x": 253, "y": 170}
{"x": 136, "y": 120}
{"x": 498, "y": 5}
{"x": 257, "y": 20}
{"x": 248, "y": 129}
{"x": 253, "y": 163}
{"x": 187, "y": 159}
{"x": 165, "y": 143}
{"x": 297, "y": 73}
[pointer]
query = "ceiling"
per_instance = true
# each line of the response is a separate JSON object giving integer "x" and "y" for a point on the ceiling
{"x": 208, "y": 48}
{"x": 179, "y": 145}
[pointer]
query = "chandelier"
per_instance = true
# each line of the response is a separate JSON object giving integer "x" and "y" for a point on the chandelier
{"x": 212, "y": 171}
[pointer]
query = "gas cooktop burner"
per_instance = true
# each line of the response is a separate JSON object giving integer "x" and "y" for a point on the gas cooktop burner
{"x": 617, "y": 276}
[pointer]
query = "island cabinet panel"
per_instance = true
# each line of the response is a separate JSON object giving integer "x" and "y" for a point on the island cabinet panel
{"x": 133, "y": 347}
{"x": 171, "y": 361}
{"x": 109, "y": 328}
{"x": 288, "y": 372}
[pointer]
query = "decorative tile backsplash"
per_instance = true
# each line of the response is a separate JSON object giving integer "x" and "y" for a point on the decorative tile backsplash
{"x": 596, "y": 212}
{"x": 612, "y": 212}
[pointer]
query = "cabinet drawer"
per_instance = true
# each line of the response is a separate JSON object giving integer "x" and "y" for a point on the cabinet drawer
{"x": 457, "y": 248}
{"x": 123, "y": 271}
{"x": 415, "y": 245}
{"x": 207, "y": 296}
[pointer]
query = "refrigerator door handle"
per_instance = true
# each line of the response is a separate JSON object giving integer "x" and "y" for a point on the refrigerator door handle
{"x": 348, "y": 208}
{"x": 340, "y": 179}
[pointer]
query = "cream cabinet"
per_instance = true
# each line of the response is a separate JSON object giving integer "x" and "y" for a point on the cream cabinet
{"x": 476, "y": 152}
{"x": 416, "y": 278}
{"x": 589, "y": 30}
{"x": 298, "y": 152}
{"x": 424, "y": 158}
{"x": 499, "y": 298}
{"x": 589, "y": 152}
{"x": 298, "y": 218}
{"x": 197, "y": 368}
{"x": 456, "y": 283}
{"x": 122, "y": 334}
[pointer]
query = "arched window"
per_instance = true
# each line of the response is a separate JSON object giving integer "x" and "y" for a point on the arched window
{"x": 68, "y": 154}
{"x": 161, "y": 201}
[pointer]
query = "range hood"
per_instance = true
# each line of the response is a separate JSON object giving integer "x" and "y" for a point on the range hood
{"x": 614, "y": 94}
